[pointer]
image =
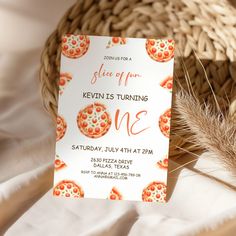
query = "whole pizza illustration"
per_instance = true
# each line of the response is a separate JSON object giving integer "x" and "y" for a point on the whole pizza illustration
{"x": 115, "y": 194}
{"x": 64, "y": 79}
{"x": 154, "y": 192}
{"x": 114, "y": 41}
{"x": 163, "y": 164}
{"x": 61, "y": 128}
{"x": 164, "y": 123}
{"x": 68, "y": 188}
{"x": 59, "y": 163}
{"x": 167, "y": 83}
{"x": 161, "y": 50}
{"x": 94, "y": 121}
{"x": 75, "y": 46}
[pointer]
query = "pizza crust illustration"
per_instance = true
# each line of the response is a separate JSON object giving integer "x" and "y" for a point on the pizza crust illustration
{"x": 61, "y": 128}
{"x": 75, "y": 46}
{"x": 68, "y": 188}
{"x": 59, "y": 163}
{"x": 94, "y": 121}
{"x": 115, "y": 194}
{"x": 160, "y": 50}
{"x": 64, "y": 79}
{"x": 164, "y": 123}
{"x": 167, "y": 83}
{"x": 163, "y": 164}
{"x": 154, "y": 192}
{"x": 114, "y": 41}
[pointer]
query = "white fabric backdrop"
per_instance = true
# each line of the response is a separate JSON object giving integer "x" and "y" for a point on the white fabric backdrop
{"x": 197, "y": 203}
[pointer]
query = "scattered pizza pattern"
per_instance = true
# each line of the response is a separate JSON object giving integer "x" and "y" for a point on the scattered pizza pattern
{"x": 114, "y": 41}
{"x": 164, "y": 123}
{"x": 75, "y": 46}
{"x": 61, "y": 128}
{"x": 59, "y": 163}
{"x": 160, "y": 50}
{"x": 64, "y": 79}
{"x": 94, "y": 121}
{"x": 68, "y": 188}
{"x": 167, "y": 83}
{"x": 163, "y": 164}
{"x": 115, "y": 194}
{"x": 154, "y": 192}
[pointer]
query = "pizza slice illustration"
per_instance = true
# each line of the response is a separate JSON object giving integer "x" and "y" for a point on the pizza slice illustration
{"x": 115, "y": 41}
{"x": 59, "y": 163}
{"x": 115, "y": 194}
{"x": 64, "y": 80}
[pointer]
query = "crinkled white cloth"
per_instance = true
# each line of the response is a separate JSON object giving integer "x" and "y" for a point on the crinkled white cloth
{"x": 198, "y": 204}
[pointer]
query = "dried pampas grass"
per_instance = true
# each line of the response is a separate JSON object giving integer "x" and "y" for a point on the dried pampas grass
{"x": 212, "y": 129}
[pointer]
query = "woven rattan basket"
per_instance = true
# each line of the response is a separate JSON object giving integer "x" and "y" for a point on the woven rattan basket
{"x": 207, "y": 27}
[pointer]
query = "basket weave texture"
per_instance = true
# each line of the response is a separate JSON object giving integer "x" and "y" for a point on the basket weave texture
{"x": 207, "y": 27}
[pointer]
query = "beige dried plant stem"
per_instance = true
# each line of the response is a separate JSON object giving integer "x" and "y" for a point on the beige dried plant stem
{"x": 206, "y": 27}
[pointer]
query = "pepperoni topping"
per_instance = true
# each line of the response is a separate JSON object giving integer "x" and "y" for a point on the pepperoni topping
{"x": 62, "y": 82}
{"x": 84, "y": 116}
{"x": 152, "y": 43}
{"x": 169, "y": 86}
{"x": 71, "y": 51}
{"x": 115, "y": 194}
{"x": 115, "y": 39}
{"x": 90, "y": 111}
{"x": 164, "y": 120}
{"x": 164, "y": 123}
{"x": 166, "y": 53}
{"x": 57, "y": 162}
{"x": 97, "y": 130}
{"x": 61, "y": 128}
{"x": 162, "y": 45}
